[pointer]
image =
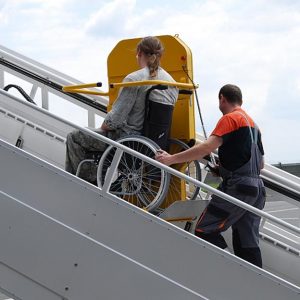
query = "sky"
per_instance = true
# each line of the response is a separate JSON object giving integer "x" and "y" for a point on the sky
{"x": 253, "y": 44}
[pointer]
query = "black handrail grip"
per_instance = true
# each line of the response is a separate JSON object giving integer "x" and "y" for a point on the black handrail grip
{"x": 22, "y": 92}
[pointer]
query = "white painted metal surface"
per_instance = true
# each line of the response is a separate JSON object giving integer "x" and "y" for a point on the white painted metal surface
{"x": 53, "y": 220}
{"x": 12, "y": 105}
{"x": 37, "y": 133}
{"x": 61, "y": 263}
{"x": 43, "y": 117}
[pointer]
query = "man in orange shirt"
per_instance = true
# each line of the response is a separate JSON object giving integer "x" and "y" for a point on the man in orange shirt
{"x": 240, "y": 149}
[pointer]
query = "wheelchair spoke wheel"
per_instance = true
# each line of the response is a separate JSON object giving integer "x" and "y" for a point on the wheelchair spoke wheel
{"x": 180, "y": 189}
{"x": 135, "y": 180}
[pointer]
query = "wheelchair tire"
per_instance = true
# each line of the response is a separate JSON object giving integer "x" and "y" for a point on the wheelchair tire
{"x": 135, "y": 180}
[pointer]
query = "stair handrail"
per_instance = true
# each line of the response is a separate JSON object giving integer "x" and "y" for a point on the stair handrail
{"x": 169, "y": 170}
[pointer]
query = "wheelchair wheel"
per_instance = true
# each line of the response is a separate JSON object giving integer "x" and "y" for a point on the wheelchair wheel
{"x": 135, "y": 180}
{"x": 191, "y": 169}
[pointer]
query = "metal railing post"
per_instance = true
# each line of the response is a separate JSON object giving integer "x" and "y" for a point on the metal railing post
{"x": 1, "y": 78}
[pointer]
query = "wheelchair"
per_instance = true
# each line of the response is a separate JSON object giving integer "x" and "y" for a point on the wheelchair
{"x": 139, "y": 182}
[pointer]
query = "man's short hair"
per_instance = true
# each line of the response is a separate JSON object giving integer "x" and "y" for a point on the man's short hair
{"x": 232, "y": 93}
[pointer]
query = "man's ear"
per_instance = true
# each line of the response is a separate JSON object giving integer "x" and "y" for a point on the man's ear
{"x": 222, "y": 98}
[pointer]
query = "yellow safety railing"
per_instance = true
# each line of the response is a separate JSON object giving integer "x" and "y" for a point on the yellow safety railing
{"x": 153, "y": 82}
{"x": 82, "y": 88}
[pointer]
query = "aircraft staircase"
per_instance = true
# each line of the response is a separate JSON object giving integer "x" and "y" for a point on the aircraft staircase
{"x": 63, "y": 238}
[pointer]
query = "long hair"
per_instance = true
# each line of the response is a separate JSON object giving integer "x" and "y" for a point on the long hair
{"x": 152, "y": 47}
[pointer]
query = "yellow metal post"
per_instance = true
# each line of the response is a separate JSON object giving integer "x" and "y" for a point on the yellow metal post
{"x": 177, "y": 60}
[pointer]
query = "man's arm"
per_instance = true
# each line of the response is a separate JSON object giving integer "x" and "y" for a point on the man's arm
{"x": 195, "y": 153}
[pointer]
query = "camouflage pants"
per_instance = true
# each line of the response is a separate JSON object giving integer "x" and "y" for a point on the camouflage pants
{"x": 78, "y": 145}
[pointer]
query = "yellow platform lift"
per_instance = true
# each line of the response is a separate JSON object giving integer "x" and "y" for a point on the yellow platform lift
{"x": 177, "y": 61}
